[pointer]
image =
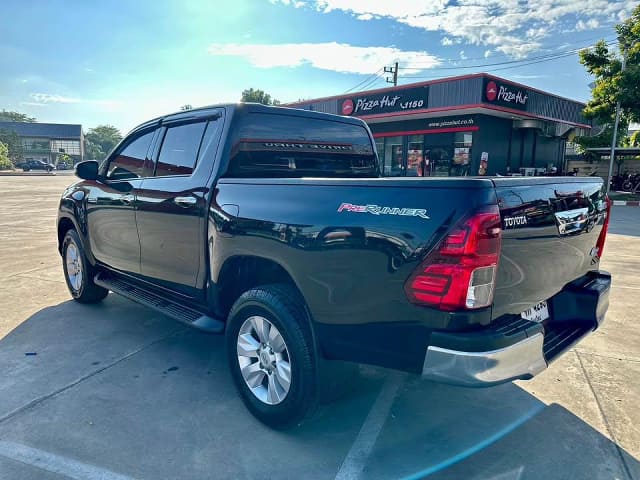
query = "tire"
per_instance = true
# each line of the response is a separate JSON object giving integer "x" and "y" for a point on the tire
{"x": 25, "y": 169}
{"x": 269, "y": 399}
{"x": 627, "y": 186}
{"x": 78, "y": 273}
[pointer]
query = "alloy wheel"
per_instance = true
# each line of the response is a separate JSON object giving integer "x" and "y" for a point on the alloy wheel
{"x": 264, "y": 360}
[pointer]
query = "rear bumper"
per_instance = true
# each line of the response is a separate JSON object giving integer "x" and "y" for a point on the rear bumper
{"x": 514, "y": 348}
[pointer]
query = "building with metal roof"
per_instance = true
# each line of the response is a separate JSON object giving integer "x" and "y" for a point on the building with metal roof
{"x": 47, "y": 141}
{"x": 475, "y": 124}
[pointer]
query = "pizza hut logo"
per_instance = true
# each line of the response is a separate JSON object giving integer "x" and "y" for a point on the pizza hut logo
{"x": 347, "y": 107}
{"x": 505, "y": 94}
{"x": 492, "y": 91}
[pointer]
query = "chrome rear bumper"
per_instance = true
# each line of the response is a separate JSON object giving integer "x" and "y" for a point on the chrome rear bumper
{"x": 522, "y": 360}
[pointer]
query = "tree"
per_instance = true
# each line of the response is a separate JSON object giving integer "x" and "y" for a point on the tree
{"x": 8, "y": 116}
{"x": 99, "y": 141}
{"x": 186, "y": 107}
{"x": 611, "y": 83}
{"x": 258, "y": 96}
{"x": 633, "y": 140}
{"x": 5, "y": 163}
{"x": 64, "y": 159}
{"x": 13, "y": 143}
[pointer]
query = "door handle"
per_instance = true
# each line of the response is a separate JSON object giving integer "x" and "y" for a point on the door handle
{"x": 127, "y": 199}
{"x": 185, "y": 201}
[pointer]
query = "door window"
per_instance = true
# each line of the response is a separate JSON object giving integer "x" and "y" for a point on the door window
{"x": 415, "y": 160}
{"x": 179, "y": 149}
{"x": 129, "y": 162}
{"x": 393, "y": 156}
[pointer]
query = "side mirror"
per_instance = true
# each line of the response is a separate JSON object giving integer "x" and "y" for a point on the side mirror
{"x": 87, "y": 170}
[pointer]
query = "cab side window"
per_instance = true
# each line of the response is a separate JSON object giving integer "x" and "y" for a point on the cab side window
{"x": 179, "y": 149}
{"x": 129, "y": 162}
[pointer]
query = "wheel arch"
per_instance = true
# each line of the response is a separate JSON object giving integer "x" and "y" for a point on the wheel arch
{"x": 66, "y": 223}
{"x": 240, "y": 273}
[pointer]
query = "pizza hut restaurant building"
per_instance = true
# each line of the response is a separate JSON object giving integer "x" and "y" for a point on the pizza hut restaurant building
{"x": 470, "y": 125}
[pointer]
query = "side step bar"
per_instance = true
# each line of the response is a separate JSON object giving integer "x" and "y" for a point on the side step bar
{"x": 163, "y": 305}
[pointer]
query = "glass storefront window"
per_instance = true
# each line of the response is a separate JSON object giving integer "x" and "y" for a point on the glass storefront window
{"x": 461, "y": 162}
{"x": 393, "y": 156}
{"x": 437, "y": 154}
{"x": 415, "y": 160}
{"x": 380, "y": 150}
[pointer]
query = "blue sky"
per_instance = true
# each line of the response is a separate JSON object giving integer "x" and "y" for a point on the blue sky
{"x": 121, "y": 63}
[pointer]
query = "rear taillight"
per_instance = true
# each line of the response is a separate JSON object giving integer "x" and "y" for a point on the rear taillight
{"x": 461, "y": 272}
{"x": 605, "y": 227}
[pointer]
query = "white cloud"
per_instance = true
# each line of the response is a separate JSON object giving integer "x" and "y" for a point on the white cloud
{"x": 338, "y": 57}
{"x": 462, "y": 55}
{"x": 514, "y": 27}
{"x": 34, "y": 104}
{"x": 53, "y": 98}
{"x": 590, "y": 24}
{"x": 487, "y": 53}
{"x": 43, "y": 99}
{"x": 446, "y": 41}
{"x": 365, "y": 16}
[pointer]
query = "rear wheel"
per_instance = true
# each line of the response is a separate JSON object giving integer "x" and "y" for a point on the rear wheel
{"x": 271, "y": 355}
{"x": 78, "y": 272}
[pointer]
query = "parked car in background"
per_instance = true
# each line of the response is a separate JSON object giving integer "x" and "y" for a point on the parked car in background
{"x": 36, "y": 165}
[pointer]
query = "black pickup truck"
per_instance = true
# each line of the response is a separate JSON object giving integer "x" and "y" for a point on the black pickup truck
{"x": 274, "y": 226}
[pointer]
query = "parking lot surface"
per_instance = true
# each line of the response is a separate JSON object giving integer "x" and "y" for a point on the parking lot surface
{"x": 117, "y": 391}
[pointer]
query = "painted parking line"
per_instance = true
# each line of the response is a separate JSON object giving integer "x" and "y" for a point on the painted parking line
{"x": 356, "y": 459}
{"x": 56, "y": 463}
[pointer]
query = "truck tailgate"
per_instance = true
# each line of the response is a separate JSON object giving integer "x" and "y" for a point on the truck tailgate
{"x": 550, "y": 229}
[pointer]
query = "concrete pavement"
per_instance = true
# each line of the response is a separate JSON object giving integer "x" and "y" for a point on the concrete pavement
{"x": 118, "y": 391}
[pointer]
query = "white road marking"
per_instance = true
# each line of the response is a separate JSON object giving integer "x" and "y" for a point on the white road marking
{"x": 56, "y": 463}
{"x": 356, "y": 459}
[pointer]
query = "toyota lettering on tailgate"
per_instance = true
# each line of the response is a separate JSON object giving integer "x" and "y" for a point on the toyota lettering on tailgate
{"x": 380, "y": 210}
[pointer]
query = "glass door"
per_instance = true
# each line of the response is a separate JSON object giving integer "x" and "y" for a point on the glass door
{"x": 416, "y": 165}
{"x": 394, "y": 155}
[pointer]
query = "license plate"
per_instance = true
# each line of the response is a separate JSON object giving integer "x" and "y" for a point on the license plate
{"x": 537, "y": 313}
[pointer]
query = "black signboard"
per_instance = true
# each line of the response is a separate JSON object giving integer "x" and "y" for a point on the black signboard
{"x": 400, "y": 100}
{"x": 505, "y": 94}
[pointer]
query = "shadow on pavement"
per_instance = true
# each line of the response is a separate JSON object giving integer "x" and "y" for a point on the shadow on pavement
{"x": 625, "y": 221}
{"x": 120, "y": 387}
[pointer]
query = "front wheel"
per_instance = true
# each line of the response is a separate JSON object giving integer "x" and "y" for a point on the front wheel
{"x": 78, "y": 272}
{"x": 271, "y": 355}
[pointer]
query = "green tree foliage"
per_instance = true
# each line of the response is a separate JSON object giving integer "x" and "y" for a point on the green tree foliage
{"x": 612, "y": 84}
{"x": 13, "y": 143}
{"x": 633, "y": 140}
{"x": 258, "y": 96}
{"x": 99, "y": 141}
{"x": 8, "y": 116}
{"x": 64, "y": 159}
{"x": 5, "y": 163}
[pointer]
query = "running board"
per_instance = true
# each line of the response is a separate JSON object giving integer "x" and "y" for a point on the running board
{"x": 159, "y": 303}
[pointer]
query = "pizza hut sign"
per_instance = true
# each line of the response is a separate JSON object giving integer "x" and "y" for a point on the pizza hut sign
{"x": 505, "y": 94}
{"x": 394, "y": 101}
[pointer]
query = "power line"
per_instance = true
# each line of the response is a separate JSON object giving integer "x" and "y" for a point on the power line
{"x": 359, "y": 85}
{"x": 373, "y": 82}
{"x": 588, "y": 42}
{"x": 509, "y": 62}
{"x": 522, "y": 63}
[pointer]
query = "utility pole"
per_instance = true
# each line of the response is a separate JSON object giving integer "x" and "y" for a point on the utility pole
{"x": 614, "y": 141}
{"x": 393, "y": 70}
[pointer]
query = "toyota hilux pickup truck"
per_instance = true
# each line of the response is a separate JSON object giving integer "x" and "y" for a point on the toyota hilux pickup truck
{"x": 275, "y": 227}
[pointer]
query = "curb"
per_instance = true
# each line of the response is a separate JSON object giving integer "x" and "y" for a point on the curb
{"x": 627, "y": 203}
